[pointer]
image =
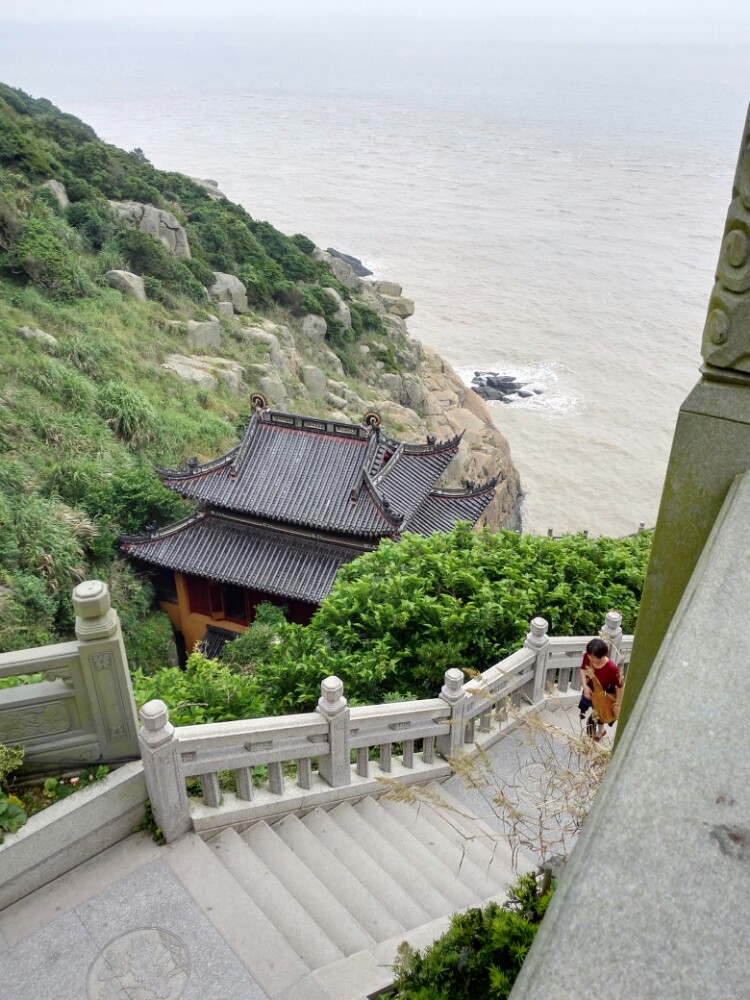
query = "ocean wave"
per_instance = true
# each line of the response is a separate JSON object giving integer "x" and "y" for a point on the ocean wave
{"x": 557, "y": 396}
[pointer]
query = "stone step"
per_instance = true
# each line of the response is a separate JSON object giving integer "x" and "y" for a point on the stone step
{"x": 309, "y": 891}
{"x": 488, "y": 846}
{"x": 392, "y": 896}
{"x": 386, "y": 855}
{"x": 423, "y": 862}
{"x": 265, "y": 953}
{"x": 496, "y": 864}
{"x": 364, "y": 907}
{"x": 478, "y": 880}
{"x": 290, "y": 919}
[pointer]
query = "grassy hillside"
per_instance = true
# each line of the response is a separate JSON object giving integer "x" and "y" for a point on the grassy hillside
{"x": 82, "y": 418}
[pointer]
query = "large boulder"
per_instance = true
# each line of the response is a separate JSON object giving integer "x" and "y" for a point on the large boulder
{"x": 228, "y": 288}
{"x": 155, "y": 221}
{"x": 33, "y": 333}
{"x": 354, "y": 263}
{"x": 207, "y": 372}
{"x": 210, "y": 187}
{"x": 204, "y": 334}
{"x": 314, "y": 327}
{"x": 342, "y": 309}
{"x": 128, "y": 283}
{"x": 398, "y": 305}
{"x": 314, "y": 379}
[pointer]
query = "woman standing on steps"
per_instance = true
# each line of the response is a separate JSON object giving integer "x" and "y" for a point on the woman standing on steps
{"x": 601, "y": 686}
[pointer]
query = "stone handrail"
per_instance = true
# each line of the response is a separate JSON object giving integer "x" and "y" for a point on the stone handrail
{"x": 83, "y": 710}
{"x": 335, "y": 732}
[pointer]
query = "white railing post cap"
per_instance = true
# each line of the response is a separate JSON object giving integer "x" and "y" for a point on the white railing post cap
{"x": 539, "y": 627}
{"x": 156, "y": 725}
{"x": 453, "y": 687}
{"x": 332, "y": 698}
{"x": 613, "y": 620}
{"x": 91, "y": 599}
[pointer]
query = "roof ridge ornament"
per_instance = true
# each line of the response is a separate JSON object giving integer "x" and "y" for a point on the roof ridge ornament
{"x": 258, "y": 401}
{"x": 372, "y": 419}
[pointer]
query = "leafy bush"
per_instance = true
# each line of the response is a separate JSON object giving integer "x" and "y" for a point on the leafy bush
{"x": 398, "y": 617}
{"x": 128, "y": 412}
{"x": 303, "y": 243}
{"x": 481, "y": 954}
{"x": 48, "y": 262}
{"x": 205, "y": 691}
{"x": 256, "y": 643}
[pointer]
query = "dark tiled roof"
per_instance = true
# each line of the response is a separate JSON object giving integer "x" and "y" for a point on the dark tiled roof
{"x": 236, "y": 551}
{"x": 297, "y": 470}
{"x": 412, "y": 472}
{"x": 442, "y": 509}
{"x": 215, "y": 640}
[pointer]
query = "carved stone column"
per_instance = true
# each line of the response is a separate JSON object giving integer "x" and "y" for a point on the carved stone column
{"x": 453, "y": 693}
{"x": 538, "y": 641}
{"x": 105, "y": 670}
{"x": 161, "y": 767}
{"x": 711, "y": 442}
{"x": 335, "y": 767}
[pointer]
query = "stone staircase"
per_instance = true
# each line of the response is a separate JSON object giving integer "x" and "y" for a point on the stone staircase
{"x": 316, "y": 907}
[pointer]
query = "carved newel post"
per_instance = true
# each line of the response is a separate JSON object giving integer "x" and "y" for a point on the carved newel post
{"x": 105, "y": 670}
{"x": 612, "y": 635}
{"x": 335, "y": 766}
{"x": 538, "y": 640}
{"x": 161, "y": 767}
{"x": 453, "y": 693}
{"x": 711, "y": 443}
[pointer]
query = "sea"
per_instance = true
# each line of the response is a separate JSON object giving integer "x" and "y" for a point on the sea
{"x": 554, "y": 209}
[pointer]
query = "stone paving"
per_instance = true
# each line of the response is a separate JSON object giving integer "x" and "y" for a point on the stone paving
{"x": 141, "y": 938}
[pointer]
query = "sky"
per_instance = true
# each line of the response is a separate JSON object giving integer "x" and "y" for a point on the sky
{"x": 605, "y": 21}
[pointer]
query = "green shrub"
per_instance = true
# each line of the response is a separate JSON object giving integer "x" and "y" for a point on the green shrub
{"x": 128, "y": 412}
{"x": 303, "y": 243}
{"x": 94, "y": 220}
{"x": 256, "y": 643}
{"x": 205, "y": 691}
{"x": 48, "y": 262}
{"x": 479, "y": 957}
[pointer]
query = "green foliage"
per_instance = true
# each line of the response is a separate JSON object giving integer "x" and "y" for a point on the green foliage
{"x": 256, "y": 643}
{"x": 146, "y": 255}
{"x": 303, "y": 243}
{"x": 398, "y": 617}
{"x": 481, "y": 954}
{"x": 56, "y": 789}
{"x": 127, "y": 411}
{"x": 149, "y": 824}
{"x": 12, "y": 814}
{"x": 365, "y": 319}
{"x": 27, "y": 611}
{"x": 205, "y": 691}
{"x": 48, "y": 261}
{"x": 11, "y": 759}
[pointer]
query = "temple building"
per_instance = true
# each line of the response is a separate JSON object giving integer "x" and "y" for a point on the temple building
{"x": 283, "y": 511}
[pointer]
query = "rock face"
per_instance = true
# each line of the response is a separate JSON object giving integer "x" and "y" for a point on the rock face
{"x": 205, "y": 334}
{"x": 354, "y": 263}
{"x": 211, "y": 187}
{"x": 207, "y": 372}
{"x": 155, "y": 221}
{"x": 58, "y": 190}
{"x": 228, "y": 288}
{"x": 342, "y": 309}
{"x": 127, "y": 283}
{"x": 29, "y": 333}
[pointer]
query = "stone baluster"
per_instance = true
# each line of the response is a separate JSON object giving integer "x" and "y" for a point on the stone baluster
{"x": 612, "y": 635}
{"x": 335, "y": 766}
{"x": 105, "y": 671}
{"x": 538, "y": 641}
{"x": 453, "y": 693}
{"x": 161, "y": 767}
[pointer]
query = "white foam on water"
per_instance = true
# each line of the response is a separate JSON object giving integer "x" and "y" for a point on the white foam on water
{"x": 558, "y": 396}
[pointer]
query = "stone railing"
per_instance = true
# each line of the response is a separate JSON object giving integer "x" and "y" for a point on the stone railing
{"x": 411, "y": 739}
{"x": 83, "y": 710}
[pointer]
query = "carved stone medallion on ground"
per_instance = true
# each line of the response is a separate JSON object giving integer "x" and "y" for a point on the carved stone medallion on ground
{"x": 145, "y": 964}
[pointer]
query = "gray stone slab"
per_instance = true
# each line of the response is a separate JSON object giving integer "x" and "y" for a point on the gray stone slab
{"x": 153, "y": 897}
{"x": 51, "y": 964}
{"x": 146, "y": 930}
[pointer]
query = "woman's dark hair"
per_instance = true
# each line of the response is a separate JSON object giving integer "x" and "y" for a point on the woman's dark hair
{"x": 597, "y": 648}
